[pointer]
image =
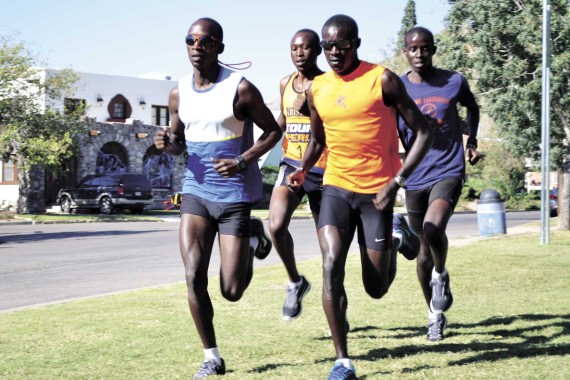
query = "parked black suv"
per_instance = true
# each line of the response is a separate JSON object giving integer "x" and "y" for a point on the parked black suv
{"x": 108, "y": 192}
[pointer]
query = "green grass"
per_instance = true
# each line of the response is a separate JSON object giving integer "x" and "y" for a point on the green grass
{"x": 510, "y": 320}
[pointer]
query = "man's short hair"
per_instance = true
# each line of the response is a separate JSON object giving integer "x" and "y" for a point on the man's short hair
{"x": 345, "y": 22}
{"x": 421, "y": 31}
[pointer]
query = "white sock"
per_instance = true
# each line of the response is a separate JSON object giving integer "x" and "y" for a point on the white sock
{"x": 433, "y": 315}
{"x": 437, "y": 276}
{"x": 346, "y": 362}
{"x": 253, "y": 242}
{"x": 213, "y": 354}
{"x": 398, "y": 236}
{"x": 297, "y": 284}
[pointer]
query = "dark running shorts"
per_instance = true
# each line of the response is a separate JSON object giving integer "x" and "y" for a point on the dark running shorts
{"x": 418, "y": 201}
{"x": 230, "y": 218}
{"x": 313, "y": 186}
{"x": 349, "y": 211}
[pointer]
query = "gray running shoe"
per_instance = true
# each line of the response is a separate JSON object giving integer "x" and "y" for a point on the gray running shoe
{"x": 211, "y": 368}
{"x": 436, "y": 327}
{"x": 410, "y": 246}
{"x": 293, "y": 306}
{"x": 441, "y": 297}
{"x": 264, "y": 246}
{"x": 340, "y": 372}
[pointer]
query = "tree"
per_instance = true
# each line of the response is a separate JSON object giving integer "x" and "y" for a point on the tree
{"x": 408, "y": 22}
{"x": 498, "y": 44}
{"x": 33, "y": 132}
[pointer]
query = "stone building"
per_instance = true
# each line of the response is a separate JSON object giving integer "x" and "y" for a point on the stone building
{"x": 127, "y": 111}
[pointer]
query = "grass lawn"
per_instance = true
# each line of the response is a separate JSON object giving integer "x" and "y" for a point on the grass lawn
{"x": 510, "y": 320}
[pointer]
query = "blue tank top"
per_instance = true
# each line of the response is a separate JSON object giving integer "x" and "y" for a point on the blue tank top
{"x": 437, "y": 99}
{"x": 212, "y": 131}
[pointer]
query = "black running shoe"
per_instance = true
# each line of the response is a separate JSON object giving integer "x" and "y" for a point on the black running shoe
{"x": 340, "y": 372}
{"x": 441, "y": 297}
{"x": 293, "y": 306}
{"x": 410, "y": 245}
{"x": 264, "y": 242}
{"x": 436, "y": 327}
{"x": 211, "y": 368}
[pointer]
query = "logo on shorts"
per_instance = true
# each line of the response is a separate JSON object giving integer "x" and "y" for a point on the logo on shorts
{"x": 379, "y": 240}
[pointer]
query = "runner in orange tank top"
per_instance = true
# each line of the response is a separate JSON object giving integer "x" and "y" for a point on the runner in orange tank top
{"x": 352, "y": 110}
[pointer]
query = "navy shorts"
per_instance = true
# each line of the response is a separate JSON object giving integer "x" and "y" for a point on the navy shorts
{"x": 312, "y": 186}
{"x": 418, "y": 201}
{"x": 229, "y": 218}
{"x": 348, "y": 211}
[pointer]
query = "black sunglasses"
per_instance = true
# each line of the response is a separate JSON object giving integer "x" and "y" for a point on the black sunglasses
{"x": 205, "y": 40}
{"x": 341, "y": 44}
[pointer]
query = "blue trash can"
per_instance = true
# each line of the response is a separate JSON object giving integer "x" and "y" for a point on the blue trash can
{"x": 491, "y": 213}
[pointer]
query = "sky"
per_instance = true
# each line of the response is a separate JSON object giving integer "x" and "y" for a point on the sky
{"x": 131, "y": 38}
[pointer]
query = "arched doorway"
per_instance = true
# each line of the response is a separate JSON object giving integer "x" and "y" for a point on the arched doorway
{"x": 112, "y": 158}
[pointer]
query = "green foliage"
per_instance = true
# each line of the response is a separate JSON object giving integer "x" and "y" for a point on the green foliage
{"x": 499, "y": 170}
{"x": 32, "y": 130}
{"x": 498, "y": 45}
{"x": 408, "y": 22}
{"x": 269, "y": 175}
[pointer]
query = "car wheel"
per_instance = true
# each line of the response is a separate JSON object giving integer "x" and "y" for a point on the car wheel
{"x": 65, "y": 205}
{"x": 106, "y": 206}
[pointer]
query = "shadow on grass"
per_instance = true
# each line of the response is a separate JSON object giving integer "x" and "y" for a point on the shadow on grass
{"x": 536, "y": 340}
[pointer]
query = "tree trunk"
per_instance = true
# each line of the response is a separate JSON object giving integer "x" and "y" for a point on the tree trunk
{"x": 31, "y": 190}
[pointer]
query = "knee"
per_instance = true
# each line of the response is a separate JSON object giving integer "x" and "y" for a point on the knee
{"x": 232, "y": 293}
{"x": 376, "y": 292}
{"x": 432, "y": 231}
{"x": 277, "y": 227}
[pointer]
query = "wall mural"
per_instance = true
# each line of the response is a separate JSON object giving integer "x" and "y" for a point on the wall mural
{"x": 159, "y": 168}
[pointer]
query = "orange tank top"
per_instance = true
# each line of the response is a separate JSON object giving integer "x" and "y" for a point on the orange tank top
{"x": 361, "y": 133}
{"x": 297, "y": 130}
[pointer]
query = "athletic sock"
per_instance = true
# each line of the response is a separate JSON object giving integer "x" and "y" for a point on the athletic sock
{"x": 298, "y": 283}
{"x": 253, "y": 242}
{"x": 213, "y": 354}
{"x": 437, "y": 276}
{"x": 398, "y": 236}
{"x": 345, "y": 362}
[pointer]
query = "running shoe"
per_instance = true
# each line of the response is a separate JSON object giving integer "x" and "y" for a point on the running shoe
{"x": 264, "y": 246}
{"x": 340, "y": 372}
{"x": 410, "y": 244}
{"x": 293, "y": 306}
{"x": 441, "y": 297}
{"x": 436, "y": 327}
{"x": 211, "y": 368}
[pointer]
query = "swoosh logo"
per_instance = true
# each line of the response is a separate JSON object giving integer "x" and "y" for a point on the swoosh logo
{"x": 378, "y": 240}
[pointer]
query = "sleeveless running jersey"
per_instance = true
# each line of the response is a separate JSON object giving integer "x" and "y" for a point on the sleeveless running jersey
{"x": 297, "y": 131}
{"x": 437, "y": 99}
{"x": 361, "y": 132}
{"x": 212, "y": 131}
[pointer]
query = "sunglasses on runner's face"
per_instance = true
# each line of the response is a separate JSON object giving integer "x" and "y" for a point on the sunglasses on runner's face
{"x": 205, "y": 40}
{"x": 341, "y": 44}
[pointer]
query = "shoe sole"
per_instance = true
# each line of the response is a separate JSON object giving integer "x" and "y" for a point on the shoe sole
{"x": 265, "y": 242}
{"x": 286, "y": 317}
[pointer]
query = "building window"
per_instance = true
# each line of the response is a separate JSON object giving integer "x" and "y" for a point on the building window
{"x": 9, "y": 172}
{"x": 72, "y": 105}
{"x": 119, "y": 111}
{"x": 160, "y": 116}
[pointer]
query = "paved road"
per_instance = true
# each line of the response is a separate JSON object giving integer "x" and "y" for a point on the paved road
{"x": 48, "y": 263}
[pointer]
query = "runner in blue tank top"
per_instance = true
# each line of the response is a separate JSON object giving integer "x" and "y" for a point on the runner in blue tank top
{"x": 212, "y": 114}
{"x": 433, "y": 189}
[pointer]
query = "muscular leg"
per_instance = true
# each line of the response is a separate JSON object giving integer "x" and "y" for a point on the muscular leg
{"x": 378, "y": 270}
{"x": 433, "y": 243}
{"x": 283, "y": 204}
{"x": 236, "y": 269}
{"x": 196, "y": 238}
{"x": 334, "y": 245}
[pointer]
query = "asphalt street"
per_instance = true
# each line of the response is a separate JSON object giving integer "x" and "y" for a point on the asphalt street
{"x": 51, "y": 263}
